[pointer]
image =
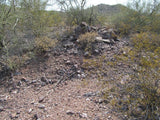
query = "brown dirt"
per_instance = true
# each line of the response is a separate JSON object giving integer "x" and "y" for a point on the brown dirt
{"x": 28, "y": 98}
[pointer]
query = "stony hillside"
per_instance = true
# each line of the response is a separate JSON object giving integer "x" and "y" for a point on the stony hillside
{"x": 103, "y": 9}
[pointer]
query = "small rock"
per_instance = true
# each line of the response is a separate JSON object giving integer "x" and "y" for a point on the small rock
{"x": 83, "y": 75}
{"x": 75, "y": 52}
{"x": 15, "y": 91}
{"x": 68, "y": 62}
{"x": 79, "y": 75}
{"x": 41, "y": 99}
{"x": 109, "y": 117}
{"x": 100, "y": 101}
{"x": 24, "y": 79}
{"x": 43, "y": 83}
{"x": 97, "y": 118}
{"x": 41, "y": 106}
{"x": 76, "y": 66}
{"x": 86, "y": 54}
{"x": 69, "y": 45}
{"x": 106, "y": 41}
{"x": 87, "y": 99}
{"x": 78, "y": 71}
{"x": 96, "y": 51}
{"x": 1, "y": 109}
{"x": 43, "y": 79}
{"x": 30, "y": 110}
{"x": 35, "y": 117}
{"x": 103, "y": 40}
{"x": 19, "y": 83}
{"x": 13, "y": 115}
{"x": 69, "y": 112}
{"x": 90, "y": 94}
{"x": 34, "y": 81}
{"x": 83, "y": 115}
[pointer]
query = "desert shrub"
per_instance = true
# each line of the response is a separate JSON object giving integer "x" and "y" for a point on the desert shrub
{"x": 87, "y": 41}
{"x": 139, "y": 97}
{"x": 135, "y": 90}
{"x": 33, "y": 16}
{"x": 43, "y": 44}
{"x": 139, "y": 16}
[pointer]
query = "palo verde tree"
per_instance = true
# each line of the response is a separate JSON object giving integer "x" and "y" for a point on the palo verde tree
{"x": 140, "y": 16}
{"x": 75, "y": 11}
{"x": 34, "y": 16}
{"x": 8, "y": 20}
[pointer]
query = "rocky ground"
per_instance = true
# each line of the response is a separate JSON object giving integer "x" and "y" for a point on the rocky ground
{"x": 56, "y": 87}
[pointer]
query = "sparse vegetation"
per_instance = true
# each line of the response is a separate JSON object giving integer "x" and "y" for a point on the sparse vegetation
{"x": 129, "y": 73}
{"x": 87, "y": 42}
{"x": 44, "y": 44}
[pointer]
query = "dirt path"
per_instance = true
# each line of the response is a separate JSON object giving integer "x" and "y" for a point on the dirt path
{"x": 72, "y": 100}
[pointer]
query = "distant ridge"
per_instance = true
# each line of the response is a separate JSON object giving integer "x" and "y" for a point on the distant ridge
{"x": 104, "y": 9}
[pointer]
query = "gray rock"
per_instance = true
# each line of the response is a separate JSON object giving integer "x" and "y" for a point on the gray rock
{"x": 41, "y": 99}
{"x": 100, "y": 39}
{"x": 68, "y": 62}
{"x": 13, "y": 115}
{"x": 86, "y": 54}
{"x": 96, "y": 118}
{"x": 35, "y": 117}
{"x": 69, "y": 45}
{"x": 24, "y": 80}
{"x": 43, "y": 79}
{"x": 34, "y": 81}
{"x": 30, "y": 110}
{"x": 69, "y": 112}
{"x": 1, "y": 109}
{"x": 41, "y": 106}
{"x": 83, "y": 115}
{"x": 90, "y": 94}
{"x": 96, "y": 51}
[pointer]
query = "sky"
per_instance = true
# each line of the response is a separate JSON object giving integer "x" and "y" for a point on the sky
{"x": 92, "y": 2}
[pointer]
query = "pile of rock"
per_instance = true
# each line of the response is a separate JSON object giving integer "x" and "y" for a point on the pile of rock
{"x": 107, "y": 35}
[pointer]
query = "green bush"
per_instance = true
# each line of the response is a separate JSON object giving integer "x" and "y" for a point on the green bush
{"x": 87, "y": 41}
{"x": 139, "y": 16}
{"x": 43, "y": 44}
{"x": 141, "y": 94}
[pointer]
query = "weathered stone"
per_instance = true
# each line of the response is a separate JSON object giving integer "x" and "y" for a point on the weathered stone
{"x": 43, "y": 79}
{"x": 41, "y": 99}
{"x": 96, "y": 51}
{"x": 1, "y": 109}
{"x": 34, "y": 81}
{"x": 69, "y": 45}
{"x": 83, "y": 115}
{"x": 35, "y": 117}
{"x": 13, "y": 115}
{"x": 19, "y": 83}
{"x": 100, "y": 39}
{"x": 24, "y": 79}
{"x": 96, "y": 118}
{"x": 41, "y": 106}
{"x": 69, "y": 112}
{"x": 86, "y": 54}
{"x": 68, "y": 62}
{"x": 90, "y": 94}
